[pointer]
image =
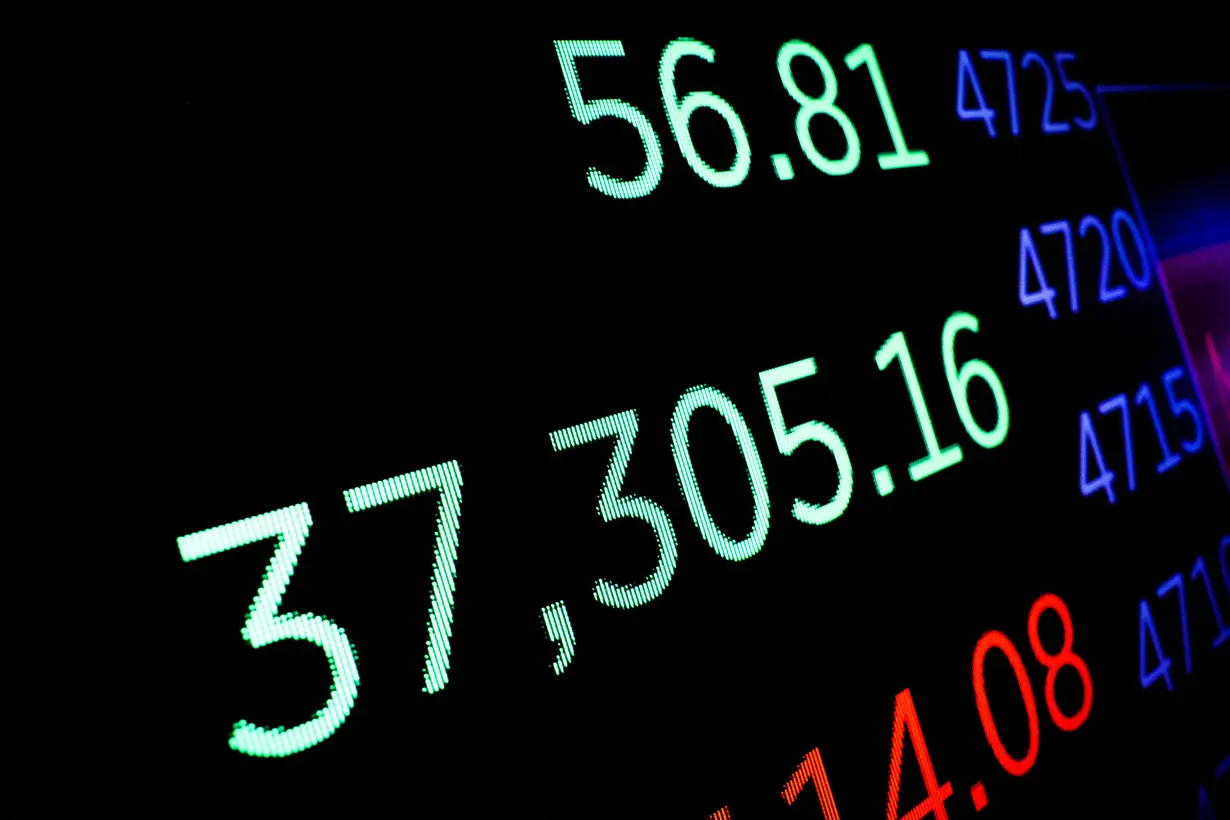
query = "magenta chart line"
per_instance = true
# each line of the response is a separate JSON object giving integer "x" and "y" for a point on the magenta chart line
{"x": 1101, "y": 91}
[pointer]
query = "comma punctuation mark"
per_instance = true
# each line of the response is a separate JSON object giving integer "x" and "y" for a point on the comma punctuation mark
{"x": 559, "y": 630}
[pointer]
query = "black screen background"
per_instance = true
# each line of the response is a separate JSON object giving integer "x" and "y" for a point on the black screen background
{"x": 300, "y": 254}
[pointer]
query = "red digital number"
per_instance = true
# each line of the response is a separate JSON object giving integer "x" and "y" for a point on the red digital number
{"x": 811, "y": 770}
{"x": 906, "y": 717}
{"x": 1054, "y": 663}
{"x": 998, "y": 640}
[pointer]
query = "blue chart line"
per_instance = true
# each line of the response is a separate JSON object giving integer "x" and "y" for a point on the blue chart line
{"x": 1140, "y": 214}
{"x": 1158, "y": 88}
{"x": 1223, "y": 766}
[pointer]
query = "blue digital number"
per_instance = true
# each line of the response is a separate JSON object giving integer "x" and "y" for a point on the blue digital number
{"x": 1006, "y": 58}
{"x": 1162, "y": 670}
{"x": 967, "y": 75}
{"x": 1204, "y": 808}
{"x": 1070, "y": 86}
{"x": 1176, "y": 582}
{"x": 1144, "y": 398}
{"x": 1064, "y": 227}
{"x": 1121, "y": 217}
{"x": 1200, "y": 571}
{"x": 1221, "y": 555}
{"x": 1105, "y": 292}
{"x": 1169, "y": 459}
{"x": 1045, "y": 293}
{"x": 1106, "y": 478}
{"x": 1148, "y": 629}
{"x": 1048, "y": 127}
{"x": 1180, "y": 407}
{"x": 1120, "y": 403}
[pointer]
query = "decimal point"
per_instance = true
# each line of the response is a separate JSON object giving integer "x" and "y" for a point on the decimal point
{"x": 979, "y": 794}
{"x": 883, "y": 479}
{"x": 782, "y": 166}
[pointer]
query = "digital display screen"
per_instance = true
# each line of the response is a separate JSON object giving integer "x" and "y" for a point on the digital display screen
{"x": 824, "y": 416}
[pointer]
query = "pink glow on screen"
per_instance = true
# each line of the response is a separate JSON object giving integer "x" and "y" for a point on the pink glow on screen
{"x": 1199, "y": 285}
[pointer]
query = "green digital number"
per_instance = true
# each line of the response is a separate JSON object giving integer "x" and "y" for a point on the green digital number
{"x": 788, "y": 440}
{"x": 958, "y": 383}
{"x": 936, "y": 458}
{"x": 612, "y": 506}
{"x": 901, "y": 156}
{"x": 811, "y": 106}
{"x": 678, "y": 113}
{"x": 265, "y": 626}
{"x": 445, "y": 478}
{"x": 725, "y": 546}
{"x": 586, "y": 112}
